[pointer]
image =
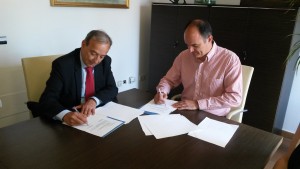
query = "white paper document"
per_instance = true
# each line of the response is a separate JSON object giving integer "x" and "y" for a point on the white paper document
{"x": 166, "y": 108}
{"x": 214, "y": 132}
{"x": 118, "y": 111}
{"x": 162, "y": 126}
{"x": 108, "y": 118}
{"x": 144, "y": 127}
{"x": 100, "y": 125}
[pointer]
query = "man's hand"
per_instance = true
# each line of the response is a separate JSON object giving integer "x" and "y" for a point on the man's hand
{"x": 75, "y": 118}
{"x": 186, "y": 105}
{"x": 88, "y": 108}
{"x": 160, "y": 98}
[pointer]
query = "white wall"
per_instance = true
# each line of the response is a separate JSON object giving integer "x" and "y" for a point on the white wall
{"x": 288, "y": 115}
{"x": 292, "y": 117}
{"x": 34, "y": 28}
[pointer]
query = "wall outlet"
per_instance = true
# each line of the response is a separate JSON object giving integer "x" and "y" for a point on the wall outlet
{"x": 131, "y": 79}
{"x": 0, "y": 103}
{"x": 119, "y": 83}
{"x": 3, "y": 40}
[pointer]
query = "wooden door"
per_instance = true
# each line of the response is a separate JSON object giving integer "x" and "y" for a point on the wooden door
{"x": 268, "y": 45}
{"x": 167, "y": 28}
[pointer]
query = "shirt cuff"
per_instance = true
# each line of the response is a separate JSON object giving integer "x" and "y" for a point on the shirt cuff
{"x": 161, "y": 90}
{"x": 61, "y": 115}
{"x": 203, "y": 104}
{"x": 98, "y": 102}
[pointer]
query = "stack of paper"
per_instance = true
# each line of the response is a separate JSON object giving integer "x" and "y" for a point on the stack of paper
{"x": 152, "y": 108}
{"x": 162, "y": 126}
{"x": 214, "y": 132}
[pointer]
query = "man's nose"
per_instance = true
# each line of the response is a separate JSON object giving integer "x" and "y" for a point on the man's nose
{"x": 98, "y": 59}
{"x": 191, "y": 49}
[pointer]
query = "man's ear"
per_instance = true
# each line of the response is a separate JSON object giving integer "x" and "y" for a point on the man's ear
{"x": 83, "y": 43}
{"x": 210, "y": 38}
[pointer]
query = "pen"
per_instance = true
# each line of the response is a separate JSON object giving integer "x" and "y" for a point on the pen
{"x": 159, "y": 91}
{"x": 79, "y": 112}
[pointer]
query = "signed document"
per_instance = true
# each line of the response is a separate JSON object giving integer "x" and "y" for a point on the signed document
{"x": 152, "y": 108}
{"x": 100, "y": 125}
{"x": 108, "y": 118}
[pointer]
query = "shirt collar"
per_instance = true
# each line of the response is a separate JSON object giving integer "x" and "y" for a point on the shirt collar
{"x": 212, "y": 52}
{"x": 83, "y": 66}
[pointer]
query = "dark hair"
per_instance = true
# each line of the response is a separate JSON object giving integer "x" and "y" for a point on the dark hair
{"x": 99, "y": 36}
{"x": 203, "y": 26}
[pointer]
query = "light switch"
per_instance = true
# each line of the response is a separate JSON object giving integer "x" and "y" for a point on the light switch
{"x": 3, "y": 40}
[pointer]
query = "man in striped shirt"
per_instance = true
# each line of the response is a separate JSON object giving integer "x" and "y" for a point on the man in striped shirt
{"x": 211, "y": 75}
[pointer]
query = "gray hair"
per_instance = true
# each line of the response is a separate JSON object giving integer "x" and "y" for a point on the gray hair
{"x": 99, "y": 36}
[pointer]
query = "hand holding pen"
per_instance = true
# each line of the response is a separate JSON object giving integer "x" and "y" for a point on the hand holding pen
{"x": 76, "y": 110}
{"x": 160, "y": 97}
{"x": 74, "y": 118}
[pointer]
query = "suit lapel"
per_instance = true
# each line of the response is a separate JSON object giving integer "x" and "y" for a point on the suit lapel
{"x": 78, "y": 77}
{"x": 98, "y": 70}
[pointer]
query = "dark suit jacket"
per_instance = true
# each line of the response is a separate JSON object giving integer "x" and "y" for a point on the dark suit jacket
{"x": 63, "y": 88}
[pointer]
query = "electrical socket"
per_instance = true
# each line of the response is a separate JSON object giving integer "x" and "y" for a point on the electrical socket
{"x": 131, "y": 79}
{"x": 119, "y": 83}
{"x": 0, "y": 103}
{"x": 3, "y": 40}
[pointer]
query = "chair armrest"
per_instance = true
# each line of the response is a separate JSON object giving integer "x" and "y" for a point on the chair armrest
{"x": 176, "y": 97}
{"x": 231, "y": 114}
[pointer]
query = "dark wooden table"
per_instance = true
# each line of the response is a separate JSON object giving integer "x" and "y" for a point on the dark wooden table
{"x": 42, "y": 144}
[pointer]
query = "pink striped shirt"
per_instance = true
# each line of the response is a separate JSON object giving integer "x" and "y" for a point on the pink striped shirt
{"x": 215, "y": 83}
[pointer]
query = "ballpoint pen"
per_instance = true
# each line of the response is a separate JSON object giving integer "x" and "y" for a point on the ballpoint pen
{"x": 79, "y": 112}
{"x": 159, "y": 91}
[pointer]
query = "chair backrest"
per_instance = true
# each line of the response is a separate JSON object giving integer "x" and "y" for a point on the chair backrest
{"x": 37, "y": 71}
{"x": 236, "y": 113}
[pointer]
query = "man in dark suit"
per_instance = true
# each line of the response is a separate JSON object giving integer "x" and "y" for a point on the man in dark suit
{"x": 65, "y": 91}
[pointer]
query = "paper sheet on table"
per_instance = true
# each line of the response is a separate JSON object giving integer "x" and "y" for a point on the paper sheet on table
{"x": 144, "y": 128}
{"x": 214, "y": 132}
{"x": 100, "y": 125}
{"x": 166, "y": 108}
{"x": 162, "y": 126}
{"x": 118, "y": 111}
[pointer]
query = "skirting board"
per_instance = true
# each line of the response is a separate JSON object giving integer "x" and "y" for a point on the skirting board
{"x": 284, "y": 134}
